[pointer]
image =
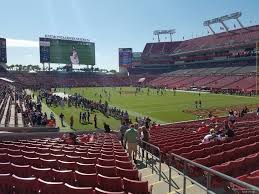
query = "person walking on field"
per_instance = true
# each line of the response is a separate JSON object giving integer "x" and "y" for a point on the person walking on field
{"x": 61, "y": 116}
{"x": 130, "y": 138}
{"x": 95, "y": 121}
{"x": 71, "y": 122}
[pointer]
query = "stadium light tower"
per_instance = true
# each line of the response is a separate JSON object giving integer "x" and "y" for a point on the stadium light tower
{"x": 222, "y": 19}
{"x": 158, "y": 32}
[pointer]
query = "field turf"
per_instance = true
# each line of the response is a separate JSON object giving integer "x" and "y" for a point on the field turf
{"x": 164, "y": 108}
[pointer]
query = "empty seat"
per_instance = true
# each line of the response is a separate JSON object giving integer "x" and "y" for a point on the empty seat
{"x": 6, "y": 183}
{"x": 86, "y": 180}
{"x": 51, "y": 187}
{"x": 106, "y": 170}
{"x": 122, "y": 158}
{"x": 4, "y": 157}
{"x": 20, "y": 170}
{"x": 85, "y": 160}
{"x": 94, "y": 155}
{"x": 124, "y": 164}
{"x": 136, "y": 187}
{"x": 49, "y": 163}
{"x": 5, "y": 167}
{"x": 132, "y": 174}
{"x": 25, "y": 185}
{"x": 100, "y": 191}
{"x": 86, "y": 168}
{"x": 63, "y": 165}
{"x": 32, "y": 161}
{"x": 109, "y": 183}
{"x": 66, "y": 176}
{"x": 105, "y": 156}
{"x": 43, "y": 173}
{"x": 106, "y": 162}
{"x": 78, "y": 190}
{"x": 16, "y": 159}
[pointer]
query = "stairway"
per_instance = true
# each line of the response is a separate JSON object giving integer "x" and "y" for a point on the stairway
{"x": 162, "y": 187}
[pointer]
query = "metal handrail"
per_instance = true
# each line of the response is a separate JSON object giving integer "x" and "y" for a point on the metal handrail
{"x": 210, "y": 172}
{"x": 159, "y": 158}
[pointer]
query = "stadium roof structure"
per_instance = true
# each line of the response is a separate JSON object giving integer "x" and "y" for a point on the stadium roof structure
{"x": 222, "y": 20}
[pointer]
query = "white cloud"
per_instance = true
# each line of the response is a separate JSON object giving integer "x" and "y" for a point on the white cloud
{"x": 21, "y": 43}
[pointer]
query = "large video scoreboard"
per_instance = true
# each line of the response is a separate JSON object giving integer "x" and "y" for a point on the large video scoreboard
{"x": 3, "y": 57}
{"x": 66, "y": 51}
{"x": 125, "y": 57}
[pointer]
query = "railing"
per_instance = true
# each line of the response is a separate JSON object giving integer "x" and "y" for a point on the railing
{"x": 250, "y": 188}
{"x": 146, "y": 148}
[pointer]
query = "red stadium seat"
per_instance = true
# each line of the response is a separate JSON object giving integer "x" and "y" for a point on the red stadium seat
{"x": 109, "y": 183}
{"x": 66, "y": 176}
{"x": 124, "y": 164}
{"x": 6, "y": 183}
{"x": 86, "y": 180}
{"x": 16, "y": 159}
{"x": 25, "y": 185}
{"x": 78, "y": 190}
{"x": 86, "y": 168}
{"x": 20, "y": 170}
{"x": 120, "y": 153}
{"x": 5, "y": 167}
{"x": 132, "y": 174}
{"x": 85, "y": 160}
{"x": 94, "y": 155}
{"x": 105, "y": 156}
{"x": 4, "y": 157}
{"x": 106, "y": 162}
{"x": 28, "y": 153}
{"x": 51, "y": 187}
{"x": 45, "y": 156}
{"x": 99, "y": 191}
{"x": 136, "y": 187}
{"x": 56, "y": 157}
{"x": 63, "y": 165}
{"x": 122, "y": 158}
{"x": 42, "y": 173}
{"x": 13, "y": 152}
{"x": 32, "y": 161}
{"x": 106, "y": 170}
{"x": 49, "y": 163}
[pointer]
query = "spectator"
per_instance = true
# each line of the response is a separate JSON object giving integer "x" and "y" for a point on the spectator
{"x": 145, "y": 138}
{"x": 209, "y": 137}
{"x": 71, "y": 122}
{"x": 95, "y": 121}
{"x": 124, "y": 127}
{"x": 130, "y": 138}
{"x": 106, "y": 127}
{"x": 61, "y": 116}
{"x": 257, "y": 111}
{"x": 52, "y": 117}
{"x": 88, "y": 116}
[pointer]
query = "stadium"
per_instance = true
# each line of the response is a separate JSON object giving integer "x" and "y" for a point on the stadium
{"x": 179, "y": 117}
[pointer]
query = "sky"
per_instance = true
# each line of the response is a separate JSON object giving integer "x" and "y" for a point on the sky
{"x": 111, "y": 24}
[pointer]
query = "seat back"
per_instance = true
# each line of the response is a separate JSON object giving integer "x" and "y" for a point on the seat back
{"x": 109, "y": 183}
{"x": 86, "y": 180}
{"x": 135, "y": 187}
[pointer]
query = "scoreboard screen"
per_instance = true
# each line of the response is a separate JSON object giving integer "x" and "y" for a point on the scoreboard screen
{"x": 66, "y": 51}
{"x": 125, "y": 57}
{"x": 3, "y": 57}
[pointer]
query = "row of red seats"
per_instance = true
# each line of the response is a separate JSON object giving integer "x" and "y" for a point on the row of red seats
{"x": 236, "y": 167}
{"x": 18, "y": 185}
{"x": 69, "y": 176}
{"x": 251, "y": 178}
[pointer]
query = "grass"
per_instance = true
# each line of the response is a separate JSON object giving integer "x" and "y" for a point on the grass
{"x": 163, "y": 109}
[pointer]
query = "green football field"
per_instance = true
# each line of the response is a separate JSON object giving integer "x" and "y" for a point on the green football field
{"x": 166, "y": 108}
